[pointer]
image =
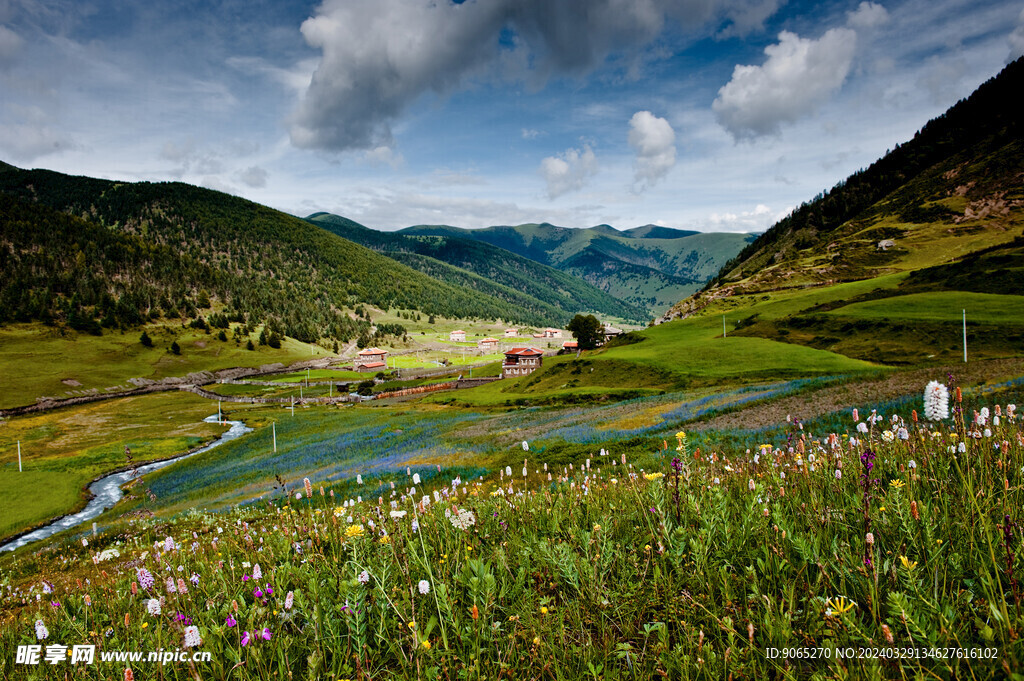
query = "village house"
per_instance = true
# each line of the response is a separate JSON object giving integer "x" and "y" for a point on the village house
{"x": 552, "y": 333}
{"x": 611, "y": 332}
{"x": 570, "y": 345}
{"x": 371, "y": 359}
{"x": 487, "y": 344}
{"x": 521, "y": 362}
{"x": 457, "y": 336}
{"x": 511, "y": 333}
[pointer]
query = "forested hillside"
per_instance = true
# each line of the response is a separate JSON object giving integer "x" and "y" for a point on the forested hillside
{"x": 499, "y": 272}
{"x": 78, "y": 249}
{"x": 961, "y": 173}
{"x": 650, "y": 267}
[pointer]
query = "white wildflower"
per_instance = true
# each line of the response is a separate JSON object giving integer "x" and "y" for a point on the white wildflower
{"x": 936, "y": 401}
{"x": 192, "y": 638}
{"x": 463, "y": 520}
{"x": 424, "y": 587}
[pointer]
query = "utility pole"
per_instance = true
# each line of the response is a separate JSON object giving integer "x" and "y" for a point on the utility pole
{"x": 274, "y": 428}
{"x": 965, "y": 335}
{"x": 19, "y": 456}
{"x": 723, "y": 326}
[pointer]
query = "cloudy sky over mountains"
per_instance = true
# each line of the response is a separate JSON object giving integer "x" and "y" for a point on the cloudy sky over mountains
{"x": 718, "y": 115}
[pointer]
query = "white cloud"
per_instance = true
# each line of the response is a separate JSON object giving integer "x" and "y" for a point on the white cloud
{"x": 530, "y": 134}
{"x": 569, "y": 171}
{"x": 380, "y": 57}
{"x": 254, "y": 177}
{"x": 798, "y": 75}
{"x": 1017, "y": 39}
{"x": 10, "y": 46}
{"x": 654, "y": 142}
{"x": 867, "y": 15}
{"x": 29, "y": 133}
{"x": 383, "y": 156}
{"x": 759, "y": 219}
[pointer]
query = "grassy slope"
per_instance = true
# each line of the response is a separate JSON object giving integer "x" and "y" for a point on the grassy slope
{"x": 63, "y": 450}
{"x": 950, "y": 199}
{"x": 678, "y": 354}
{"x": 948, "y": 306}
{"x": 35, "y": 359}
{"x": 595, "y": 572}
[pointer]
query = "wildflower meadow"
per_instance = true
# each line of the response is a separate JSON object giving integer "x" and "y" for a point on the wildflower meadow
{"x": 892, "y": 550}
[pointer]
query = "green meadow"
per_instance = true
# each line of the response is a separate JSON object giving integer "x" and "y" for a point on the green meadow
{"x": 38, "y": 361}
{"x": 941, "y": 306}
{"x": 63, "y": 450}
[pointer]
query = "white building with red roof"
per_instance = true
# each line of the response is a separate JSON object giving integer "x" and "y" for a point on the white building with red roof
{"x": 371, "y": 359}
{"x": 521, "y": 362}
{"x": 511, "y": 333}
{"x": 457, "y": 336}
{"x": 487, "y": 344}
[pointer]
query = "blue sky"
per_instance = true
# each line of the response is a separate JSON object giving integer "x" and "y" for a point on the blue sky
{"x": 717, "y": 115}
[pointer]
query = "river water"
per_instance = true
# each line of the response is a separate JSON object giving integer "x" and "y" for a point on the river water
{"x": 107, "y": 490}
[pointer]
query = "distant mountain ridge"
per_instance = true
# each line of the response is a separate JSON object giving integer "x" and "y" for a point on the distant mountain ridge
{"x": 81, "y": 250}
{"x": 648, "y": 266}
{"x": 488, "y": 269}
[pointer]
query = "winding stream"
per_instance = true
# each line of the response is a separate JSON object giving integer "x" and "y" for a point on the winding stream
{"x": 107, "y": 490}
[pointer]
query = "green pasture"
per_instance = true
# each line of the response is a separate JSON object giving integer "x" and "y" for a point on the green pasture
{"x": 38, "y": 361}
{"x": 941, "y": 306}
{"x": 63, "y": 450}
{"x": 316, "y": 375}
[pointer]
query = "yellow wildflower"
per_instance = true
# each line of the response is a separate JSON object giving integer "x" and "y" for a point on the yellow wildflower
{"x": 897, "y": 484}
{"x": 354, "y": 531}
{"x": 654, "y": 476}
{"x": 597, "y": 528}
{"x": 425, "y": 644}
{"x": 681, "y": 435}
{"x": 839, "y": 606}
{"x": 909, "y": 564}
{"x": 543, "y": 610}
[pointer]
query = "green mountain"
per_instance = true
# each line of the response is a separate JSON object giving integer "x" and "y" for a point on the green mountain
{"x": 955, "y": 187}
{"x": 887, "y": 265}
{"x": 488, "y": 269}
{"x": 86, "y": 251}
{"x": 651, "y": 267}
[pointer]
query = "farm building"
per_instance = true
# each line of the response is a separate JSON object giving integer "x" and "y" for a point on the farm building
{"x": 570, "y": 345}
{"x": 552, "y": 333}
{"x": 611, "y": 332}
{"x": 457, "y": 336}
{"x": 371, "y": 359}
{"x": 511, "y": 333}
{"x": 521, "y": 362}
{"x": 487, "y": 344}
{"x": 372, "y": 366}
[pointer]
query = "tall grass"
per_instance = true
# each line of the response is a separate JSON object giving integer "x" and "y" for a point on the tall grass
{"x": 672, "y": 563}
